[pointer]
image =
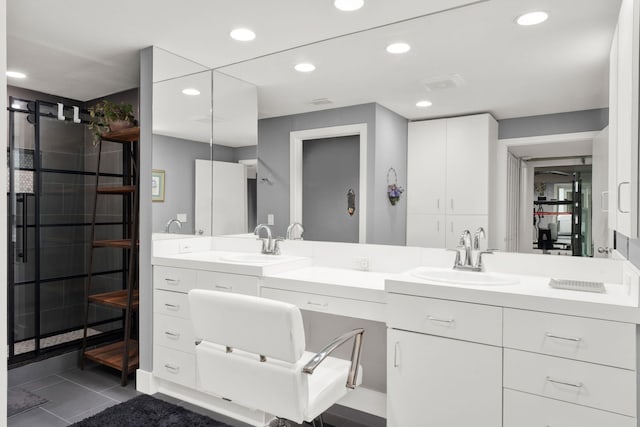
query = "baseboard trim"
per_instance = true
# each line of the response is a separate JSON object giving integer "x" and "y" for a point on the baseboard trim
{"x": 145, "y": 382}
{"x": 366, "y": 400}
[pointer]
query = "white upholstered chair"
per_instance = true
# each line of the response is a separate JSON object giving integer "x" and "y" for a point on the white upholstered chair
{"x": 252, "y": 352}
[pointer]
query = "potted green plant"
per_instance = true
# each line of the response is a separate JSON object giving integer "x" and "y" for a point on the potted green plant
{"x": 107, "y": 116}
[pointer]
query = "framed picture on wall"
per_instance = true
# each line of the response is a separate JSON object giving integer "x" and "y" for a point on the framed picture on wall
{"x": 157, "y": 185}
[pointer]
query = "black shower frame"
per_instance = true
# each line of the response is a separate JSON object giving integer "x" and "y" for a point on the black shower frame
{"x": 38, "y": 170}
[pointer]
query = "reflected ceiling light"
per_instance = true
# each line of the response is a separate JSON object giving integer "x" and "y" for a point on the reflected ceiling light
{"x": 398, "y": 48}
{"x": 191, "y": 91}
{"x": 16, "y": 74}
{"x": 532, "y": 18}
{"x": 16, "y": 106}
{"x": 423, "y": 104}
{"x": 305, "y": 67}
{"x": 348, "y": 5}
{"x": 242, "y": 34}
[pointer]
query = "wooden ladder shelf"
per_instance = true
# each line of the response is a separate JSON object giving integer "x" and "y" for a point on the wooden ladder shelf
{"x": 121, "y": 355}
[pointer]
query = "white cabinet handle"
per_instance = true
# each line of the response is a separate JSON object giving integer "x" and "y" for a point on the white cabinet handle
{"x": 550, "y": 335}
{"x": 618, "y": 201}
{"x": 172, "y": 335}
{"x": 441, "y": 320}
{"x": 605, "y": 206}
{"x": 438, "y": 226}
{"x": 452, "y": 226}
{"x": 172, "y": 368}
{"x": 396, "y": 357}
{"x": 224, "y": 287}
{"x": 570, "y": 384}
{"x": 174, "y": 282}
{"x": 317, "y": 304}
{"x": 452, "y": 205}
{"x": 438, "y": 204}
{"x": 174, "y": 307}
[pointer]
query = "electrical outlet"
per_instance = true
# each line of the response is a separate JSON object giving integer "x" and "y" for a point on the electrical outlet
{"x": 361, "y": 263}
{"x": 182, "y": 217}
{"x": 270, "y": 219}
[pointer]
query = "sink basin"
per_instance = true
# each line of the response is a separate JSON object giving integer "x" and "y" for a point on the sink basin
{"x": 252, "y": 258}
{"x": 458, "y": 277}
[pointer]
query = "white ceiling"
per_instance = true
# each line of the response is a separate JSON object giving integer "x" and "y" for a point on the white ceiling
{"x": 84, "y": 49}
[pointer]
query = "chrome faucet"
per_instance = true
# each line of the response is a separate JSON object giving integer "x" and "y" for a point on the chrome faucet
{"x": 167, "y": 227}
{"x": 291, "y": 229}
{"x": 471, "y": 247}
{"x": 269, "y": 245}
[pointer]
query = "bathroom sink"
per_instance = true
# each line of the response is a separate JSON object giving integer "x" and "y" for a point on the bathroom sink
{"x": 252, "y": 258}
{"x": 459, "y": 277}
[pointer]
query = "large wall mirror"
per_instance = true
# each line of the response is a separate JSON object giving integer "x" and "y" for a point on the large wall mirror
{"x": 467, "y": 60}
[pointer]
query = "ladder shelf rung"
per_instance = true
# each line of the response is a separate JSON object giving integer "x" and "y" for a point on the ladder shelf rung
{"x": 122, "y": 189}
{"x": 111, "y": 355}
{"x": 116, "y": 299}
{"x": 119, "y": 243}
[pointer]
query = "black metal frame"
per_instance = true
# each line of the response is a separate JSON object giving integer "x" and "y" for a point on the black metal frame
{"x": 38, "y": 171}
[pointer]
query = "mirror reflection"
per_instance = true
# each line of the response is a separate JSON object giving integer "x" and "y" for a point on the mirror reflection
{"x": 542, "y": 88}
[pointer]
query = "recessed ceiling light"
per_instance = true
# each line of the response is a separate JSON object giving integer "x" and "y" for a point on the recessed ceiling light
{"x": 305, "y": 67}
{"x": 16, "y": 74}
{"x": 532, "y": 18}
{"x": 191, "y": 91}
{"x": 424, "y": 103}
{"x": 242, "y": 34}
{"x": 398, "y": 48}
{"x": 348, "y": 5}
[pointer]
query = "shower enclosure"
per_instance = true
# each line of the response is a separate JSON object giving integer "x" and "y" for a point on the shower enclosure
{"x": 51, "y": 175}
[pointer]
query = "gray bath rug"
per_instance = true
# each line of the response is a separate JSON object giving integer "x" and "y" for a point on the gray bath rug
{"x": 20, "y": 400}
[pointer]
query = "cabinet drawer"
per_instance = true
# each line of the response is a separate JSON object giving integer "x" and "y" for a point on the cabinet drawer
{"x": 174, "y": 366}
{"x": 452, "y": 319}
{"x": 171, "y": 303}
{"x": 527, "y": 410}
{"x": 174, "y": 279}
{"x": 223, "y": 282}
{"x": 596, "y": 386}
{"x": 173, "y": 332}
{"x": 591, "y": 340}
{"x": 328, "y": 304}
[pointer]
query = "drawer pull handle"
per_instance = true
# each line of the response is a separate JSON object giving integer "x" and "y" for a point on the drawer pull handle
{"x": 550, "y": 335}
{"x": 224, "y": 288}
{"x": 175, "y": 307}
{"x": 317, "y": 304}
{"x": 576, "y": 385}
{"x": 438, "y": 319}
{"x": 174, "y": 282}
{"x": 396, "y": 351}
{"x": 172, "y": 368}
{"x": 172, "y": 335}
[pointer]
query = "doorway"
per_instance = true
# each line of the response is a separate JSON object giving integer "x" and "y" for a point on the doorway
{"x": 296, "y": 167}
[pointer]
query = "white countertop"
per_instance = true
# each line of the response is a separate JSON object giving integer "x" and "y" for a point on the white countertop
{"x": 619, "y": 303}
{"x": 339, "y": 282}
{"x": 223, "y": 261}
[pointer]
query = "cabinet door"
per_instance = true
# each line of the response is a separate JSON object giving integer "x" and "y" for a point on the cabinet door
{"x": 427, "y": 231}
{"x": 440, "y": 382}
{"x": 467, "y": 165}
{"x": 613, "y": 131}
{"x": 426, "y": 167}
{"x": 456, "y": 224}
{"x": 627, "y": 120}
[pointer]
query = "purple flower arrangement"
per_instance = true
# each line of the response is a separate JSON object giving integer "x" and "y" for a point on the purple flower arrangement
{"x": 394, "y": 192}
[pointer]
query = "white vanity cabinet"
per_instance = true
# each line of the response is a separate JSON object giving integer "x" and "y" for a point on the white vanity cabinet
{"x": 573, "y": 371}
{"x": 444, "y": 363}
{"x": 173, "y": 337}
{"x": 448, "y": 176}
{"x": 623, "y": 120}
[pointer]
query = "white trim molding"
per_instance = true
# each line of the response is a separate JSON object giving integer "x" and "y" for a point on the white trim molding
{"x": 295, "y": 169}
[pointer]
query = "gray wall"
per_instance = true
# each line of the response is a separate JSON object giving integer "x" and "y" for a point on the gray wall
{"x": 273, "y": 156}
{"x": 551, "y": 124}
{"x": 330, "y": 167}
{"x": 177, "y": 158}
{"x": 244, "y": 153}
{"x": 391, "y": 152}
{"x": 386, "y": 147}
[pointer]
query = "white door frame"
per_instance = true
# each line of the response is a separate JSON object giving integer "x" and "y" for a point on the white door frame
{"x": 295, "y": 169}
